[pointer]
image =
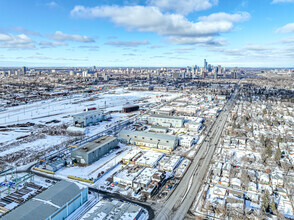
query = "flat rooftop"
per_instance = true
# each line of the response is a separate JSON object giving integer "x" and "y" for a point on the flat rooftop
{"x": 114, "y": 210}
{"x": 158, "y": 127}
{"x": 155, "y": 136}
{"x": 88, "y": 113}
{"x": 150, "y": 158}
{"x": 46, "y": 203}
{"x": 129, "y": 173}
{"x": 99, "y": 142}
{"x": 145, "y": 176}
{"x": 166, "y": 116}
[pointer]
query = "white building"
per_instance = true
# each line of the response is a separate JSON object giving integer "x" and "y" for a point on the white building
{"x": 149, "y": 159}
{"x": 169, "y": 163}
{"x": 186, "y": 141}
{"x": 88, "y": 118}
{"x": 144, "y": 178}
{"x": 193, "y": 126}
{"x": 149, "y": 139}
{"x": 125, "y": 177}
{"x": 166, "y": 121}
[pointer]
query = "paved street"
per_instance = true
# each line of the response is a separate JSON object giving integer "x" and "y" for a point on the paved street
{"x": 182, "y": 198}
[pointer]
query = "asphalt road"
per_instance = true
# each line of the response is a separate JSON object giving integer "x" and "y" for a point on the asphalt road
{"x": 183, "y": 196}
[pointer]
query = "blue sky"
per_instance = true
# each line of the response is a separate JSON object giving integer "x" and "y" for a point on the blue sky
{"x": 244, "y": 33}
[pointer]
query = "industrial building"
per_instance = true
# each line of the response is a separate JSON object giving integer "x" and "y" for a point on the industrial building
{"x": 132, "y": 108}
{"x": 148, "y": 139}
{"x": 164, "y": 111}
{"x": 179, "y": 103}
{"x": 157, "y": 129}
{"x": 55, "y": 165}
{"x": 186, "y": 110}
{"x": 114, "y": 209}
{"x": 186, "y": 141}
{"x": 132, "y": 156}
{"x": 169, "y": 163}
{"x": 94, "y": 150}
{"x": 55, "y": 203}
{"x": 144, "y": 178}
{"x": 87, "y": 118}
{"x": 127, "y": 175}
{"x": 166, "y": 121}
{"x": 149, "y": 159}
{"x": 193, "y": 126}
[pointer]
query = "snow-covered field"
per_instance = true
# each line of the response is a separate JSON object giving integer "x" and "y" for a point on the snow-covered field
{"x": 62, "y": 108}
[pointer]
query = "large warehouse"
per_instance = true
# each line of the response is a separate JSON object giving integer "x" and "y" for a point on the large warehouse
{"x": 94, "y": 150}
{"x": 55, "y": 203}
{"x": 166, "y": 121}
{"x": 85, "y": 119}
{"x": 148, "y": 139}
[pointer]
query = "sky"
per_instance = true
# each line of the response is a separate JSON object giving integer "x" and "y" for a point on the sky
{"x": 147, "y": 33}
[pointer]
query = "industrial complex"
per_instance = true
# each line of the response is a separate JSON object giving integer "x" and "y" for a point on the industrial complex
{"x": 140, "y": 155}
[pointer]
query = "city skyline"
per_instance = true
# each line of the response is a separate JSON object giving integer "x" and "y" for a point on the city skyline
{"x": 147, "y": 33}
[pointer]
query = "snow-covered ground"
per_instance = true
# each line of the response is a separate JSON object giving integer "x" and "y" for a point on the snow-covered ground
{"x": 39, "y": 144}
{"x": 55, "y": 114}
{"x": 62, "y": 108}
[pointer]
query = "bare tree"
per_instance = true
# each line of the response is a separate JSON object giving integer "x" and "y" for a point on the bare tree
{"x": 265, "y": 201}
{"x": 245, "y": 178}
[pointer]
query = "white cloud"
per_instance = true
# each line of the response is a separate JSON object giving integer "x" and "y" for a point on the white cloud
{"x": 60, "y": 36}
{"x": 52, "y": 4}
{"x": 287, "y": 40}
{"x": 175, "y": 26}
{"x": 89, "y": 47}
{"x": 288, "y": 28}
{"x": 183, "y": 7}
{"x": 24, "y": 31}
{"x": 190, "y": 40}
{"x": 151, "y": 19}
{"x": 221, "y": 16}
{"x": 156, "y": 46}
{"x": 20, "y": 41}
{"x": 257, "y": 52}
{"x": 46, "y": 44}
{"x": 133, "y": 43}
{"x": 281, "y": 1}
